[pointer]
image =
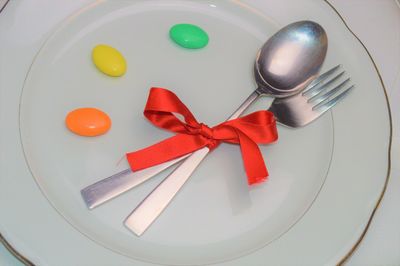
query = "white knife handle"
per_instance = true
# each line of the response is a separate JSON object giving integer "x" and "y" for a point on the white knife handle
{"x": 152, "y": 206}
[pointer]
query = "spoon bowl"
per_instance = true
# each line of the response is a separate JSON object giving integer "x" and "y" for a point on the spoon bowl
{"x": 291, "y": 59}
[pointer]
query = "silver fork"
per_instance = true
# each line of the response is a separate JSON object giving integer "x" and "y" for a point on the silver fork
{"x": 285, "y": 110}
{"x": 303, "y": 108}
{"x": 295, "y": 111}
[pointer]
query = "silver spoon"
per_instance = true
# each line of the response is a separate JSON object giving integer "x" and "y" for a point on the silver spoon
{"x": 285, "y": 65}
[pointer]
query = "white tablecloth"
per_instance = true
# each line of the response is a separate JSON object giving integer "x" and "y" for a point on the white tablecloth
{"x": 377, "y": 24}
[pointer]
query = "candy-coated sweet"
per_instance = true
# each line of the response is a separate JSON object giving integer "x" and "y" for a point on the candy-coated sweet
{"x": 109, "y": 60}
{"x": 189, "y": 36}
{"x": 88, "y": 122}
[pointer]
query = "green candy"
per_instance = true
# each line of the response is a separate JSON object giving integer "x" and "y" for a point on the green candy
{"x": 188, "y": 36}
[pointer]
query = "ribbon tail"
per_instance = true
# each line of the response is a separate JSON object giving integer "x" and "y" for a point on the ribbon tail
{"x": 253, "y": 160}
{"x": 164, "y": 151}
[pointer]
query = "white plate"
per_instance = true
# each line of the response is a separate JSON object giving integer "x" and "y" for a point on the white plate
{"x": 216, "y": 218}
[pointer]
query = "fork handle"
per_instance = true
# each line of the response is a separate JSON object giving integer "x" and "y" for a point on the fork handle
{"x": 152, "y": 206}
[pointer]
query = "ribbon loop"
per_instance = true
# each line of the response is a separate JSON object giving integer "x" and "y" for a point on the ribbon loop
{"x": 248, "y": 131}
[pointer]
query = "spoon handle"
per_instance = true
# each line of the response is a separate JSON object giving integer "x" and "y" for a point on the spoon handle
{"x": 153, "y": 205}
{"x": 113, "y": 186}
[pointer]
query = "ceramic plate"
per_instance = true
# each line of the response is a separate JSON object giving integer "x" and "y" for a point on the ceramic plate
{"x": 325, "y": 179}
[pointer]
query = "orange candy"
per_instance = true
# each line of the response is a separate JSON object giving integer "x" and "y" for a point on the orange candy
{"x": 88, "y": 122}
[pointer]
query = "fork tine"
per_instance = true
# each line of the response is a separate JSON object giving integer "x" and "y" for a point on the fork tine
{"x": 322, "y": 97}
{"x": 325, "y": 106}
{"x": 321, "y": 78}
{"x": 316, "y": 90}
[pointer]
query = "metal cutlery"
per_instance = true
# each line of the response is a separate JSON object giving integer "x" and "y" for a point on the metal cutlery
{"x": 295, "y": 111}
{"x": 284, "y": 66}
{"x": 114, "y": 185}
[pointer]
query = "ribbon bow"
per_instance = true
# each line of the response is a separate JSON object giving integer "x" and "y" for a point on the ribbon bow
{"x": 247, "y": 131}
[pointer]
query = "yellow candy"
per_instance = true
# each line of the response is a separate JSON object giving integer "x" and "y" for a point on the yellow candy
{"x": 109, "y": 60}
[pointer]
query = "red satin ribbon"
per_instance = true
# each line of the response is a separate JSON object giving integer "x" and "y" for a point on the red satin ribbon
{"x": 247, "y": 131}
